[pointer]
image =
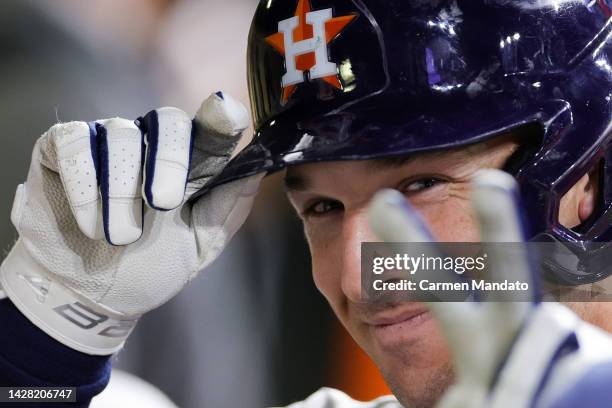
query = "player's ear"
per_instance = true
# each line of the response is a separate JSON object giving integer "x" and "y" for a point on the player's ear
{"x": 589, "y": 195}
{"x": 579, "y": 203}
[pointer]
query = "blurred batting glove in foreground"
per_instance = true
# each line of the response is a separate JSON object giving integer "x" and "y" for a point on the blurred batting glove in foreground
{"x": 506, "y": 353}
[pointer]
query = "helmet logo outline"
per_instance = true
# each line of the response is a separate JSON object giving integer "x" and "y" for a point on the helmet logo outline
{"x": 303, "y": 40}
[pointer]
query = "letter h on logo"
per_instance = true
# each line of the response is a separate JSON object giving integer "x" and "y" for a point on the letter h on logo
{"x": 323, "y": 66}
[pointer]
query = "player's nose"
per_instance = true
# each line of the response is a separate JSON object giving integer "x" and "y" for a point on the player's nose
{"x": 356, "y": 230}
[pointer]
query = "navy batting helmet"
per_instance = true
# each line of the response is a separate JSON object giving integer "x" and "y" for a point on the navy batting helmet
{"x": 361, "y": 79}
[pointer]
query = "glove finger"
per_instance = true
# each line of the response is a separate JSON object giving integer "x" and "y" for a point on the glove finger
{"x": 495, "y": 201}
{"x": 74, "y": 145}
{"x": 221, "y": 114}
{"x": 218, "y": 126}
{"x": 168, "y": 140}
{"x": 120, "y": 153}
{"x": 393, "y": 220}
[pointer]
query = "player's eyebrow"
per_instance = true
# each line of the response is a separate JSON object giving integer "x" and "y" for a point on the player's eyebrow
{"x": 296, "y": 183}
{"x": 391, "y": 162}
{"x": 302, "y": 183}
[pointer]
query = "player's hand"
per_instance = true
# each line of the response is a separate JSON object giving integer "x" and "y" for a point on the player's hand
{"x": 506, "y": 353}
{"x": 479, "y": 334}
{"x": 105, "y": 233}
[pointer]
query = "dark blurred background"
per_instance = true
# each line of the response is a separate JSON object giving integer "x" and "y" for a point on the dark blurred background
{"x": 251, "y": 331}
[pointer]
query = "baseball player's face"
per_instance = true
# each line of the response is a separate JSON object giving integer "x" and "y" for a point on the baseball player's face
{"x": 332, "y": 199}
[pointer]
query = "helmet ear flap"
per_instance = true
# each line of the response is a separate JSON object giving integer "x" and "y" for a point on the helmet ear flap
{"x": 588, "y": 245}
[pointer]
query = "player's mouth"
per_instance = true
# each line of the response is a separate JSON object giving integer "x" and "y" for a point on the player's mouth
{"x": 395, "y": 327}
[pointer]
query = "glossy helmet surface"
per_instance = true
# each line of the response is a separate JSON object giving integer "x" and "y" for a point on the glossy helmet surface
{"x": 360, "y": 79}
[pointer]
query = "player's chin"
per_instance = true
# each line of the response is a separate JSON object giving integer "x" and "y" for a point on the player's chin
{"x": 421, "y": 388}
{"x": 414, "y": 360}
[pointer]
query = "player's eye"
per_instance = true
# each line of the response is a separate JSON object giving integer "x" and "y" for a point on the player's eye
{"x": 321, "y": 208}
{"x": 417, "y": 186}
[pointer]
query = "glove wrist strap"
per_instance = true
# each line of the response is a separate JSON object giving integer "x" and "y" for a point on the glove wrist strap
{"x": 64, "y": 315}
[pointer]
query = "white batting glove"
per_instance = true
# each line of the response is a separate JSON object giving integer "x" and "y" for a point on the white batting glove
{"x": 507, "y": 354}
{"x": 479, "y": 334}
{"x": 105, "y": 233}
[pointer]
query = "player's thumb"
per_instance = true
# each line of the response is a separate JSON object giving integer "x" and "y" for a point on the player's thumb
{"x": 220, "y": 213}
{"x": 217, "y": 216}
{"x": 217, "y": 129}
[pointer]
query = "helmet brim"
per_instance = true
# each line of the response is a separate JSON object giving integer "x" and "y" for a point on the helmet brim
{"x": 357, "y": 135}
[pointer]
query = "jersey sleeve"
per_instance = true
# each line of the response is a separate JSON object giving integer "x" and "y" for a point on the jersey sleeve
{"x": 29, "y": 357}
{"x": 591, "y": 391}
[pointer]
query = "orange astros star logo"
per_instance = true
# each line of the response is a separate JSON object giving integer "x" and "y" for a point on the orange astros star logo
{"x": 302, "y": 40}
